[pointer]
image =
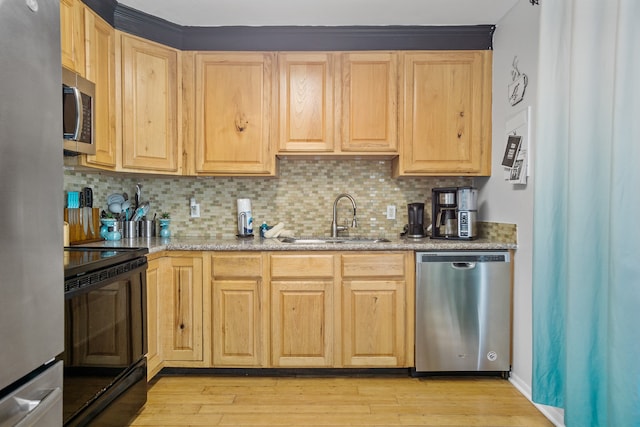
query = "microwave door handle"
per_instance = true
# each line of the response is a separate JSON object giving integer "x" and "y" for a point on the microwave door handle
{"x": 78, "y": 97}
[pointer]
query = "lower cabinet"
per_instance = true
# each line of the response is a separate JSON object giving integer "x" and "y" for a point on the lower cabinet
{"x": 374, "y": 310}
{"x": 280, "y": 309}
{"x": 181, "y": 309}
{"x": 302, "y": 310}
{"x": 238, "y": 310}
{"x": 154, "y": 353}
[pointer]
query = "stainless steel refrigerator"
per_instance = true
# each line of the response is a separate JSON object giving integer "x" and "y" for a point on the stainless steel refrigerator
{"x": 31, "y": 194}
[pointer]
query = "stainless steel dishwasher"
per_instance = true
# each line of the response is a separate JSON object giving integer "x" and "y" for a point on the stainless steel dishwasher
{"x": 463, "y": 312}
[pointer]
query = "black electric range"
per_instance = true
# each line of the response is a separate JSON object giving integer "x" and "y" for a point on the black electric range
{"x": 105, "y": 316}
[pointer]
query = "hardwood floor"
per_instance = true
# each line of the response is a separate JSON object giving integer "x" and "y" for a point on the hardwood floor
{"x": 336, "y": 401}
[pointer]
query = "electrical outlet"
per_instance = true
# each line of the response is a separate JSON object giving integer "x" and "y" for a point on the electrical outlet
{"x": 391, "y": 212}
{"x": 195, "y": 210}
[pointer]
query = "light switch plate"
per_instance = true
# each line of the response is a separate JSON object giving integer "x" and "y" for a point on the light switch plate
{"x": 391, "y": 212}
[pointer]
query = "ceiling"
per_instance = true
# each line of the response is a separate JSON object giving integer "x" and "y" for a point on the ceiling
{"x": 213, "y": 13}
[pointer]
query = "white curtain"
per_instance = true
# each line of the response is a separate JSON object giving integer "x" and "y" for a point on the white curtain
{"x": 586, "y": 280}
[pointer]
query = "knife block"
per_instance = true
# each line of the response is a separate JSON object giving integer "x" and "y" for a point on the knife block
{"x": 84, "y": 225}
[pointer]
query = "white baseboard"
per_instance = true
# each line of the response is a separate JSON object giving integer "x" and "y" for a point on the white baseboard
{"x": 553, "y": 414}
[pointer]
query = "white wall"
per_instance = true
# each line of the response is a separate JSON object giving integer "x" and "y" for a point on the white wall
{"x": 516, "y": 35}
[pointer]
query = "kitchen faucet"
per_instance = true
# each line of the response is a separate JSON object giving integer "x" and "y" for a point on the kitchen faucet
{"x": 335, "y": 228}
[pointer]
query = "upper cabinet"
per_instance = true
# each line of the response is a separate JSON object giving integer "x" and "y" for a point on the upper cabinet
{"x": 100, "y": 69}
{"x": 150, "y": 106}
{"x": 338, "y": 103}
{"x": 72, "y": 35}
{"x": 369, "y": 102}
{"x": 234, "y": 105}
{"x": 307, "y": 107}
{"x": 445, "y": 113}
{"x": 228, "y": 113}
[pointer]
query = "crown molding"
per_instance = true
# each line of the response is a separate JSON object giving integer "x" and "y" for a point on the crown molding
{"x": 291, "y": 38}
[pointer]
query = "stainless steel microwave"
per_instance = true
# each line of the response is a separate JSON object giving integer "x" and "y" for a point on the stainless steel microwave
{"x": 77, "y": 113}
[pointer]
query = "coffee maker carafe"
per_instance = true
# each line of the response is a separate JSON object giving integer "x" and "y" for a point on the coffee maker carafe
{"x": 444, "y": 215}
{"x": 415, "y": 228}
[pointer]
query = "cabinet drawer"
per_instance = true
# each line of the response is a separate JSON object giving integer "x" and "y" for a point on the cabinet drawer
{"x": 236, "y": 265}
{"x": 373, "y": 265}
{"x": 302, "y": 265}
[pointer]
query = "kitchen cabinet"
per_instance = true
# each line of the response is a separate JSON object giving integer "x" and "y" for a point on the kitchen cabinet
{"x": 150, "y": 106}
{"x": 181, "y": 308}
{"x": 307, "y": 109}
{"x": 234, "y": 100}
{"x": 100, "y": 69}
{"x": 302, "y": 310}
{"x": 280, "y": 309}
{"x": 369, "y": 102}
{"x": 72, "y": 35}
{"x": 445, "y": 113}
{"x": 374, "y": 309}
{"x": 154, "y": 315}
{"x": 239, "y": 310}
{"x": 338, "y": 103}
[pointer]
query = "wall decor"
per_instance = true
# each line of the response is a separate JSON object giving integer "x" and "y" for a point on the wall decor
{"x": 518, "y": 84}
{"x": 516, "y": 156}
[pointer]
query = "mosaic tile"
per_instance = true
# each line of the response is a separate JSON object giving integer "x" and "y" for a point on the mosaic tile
{"x": 301, "y": 196}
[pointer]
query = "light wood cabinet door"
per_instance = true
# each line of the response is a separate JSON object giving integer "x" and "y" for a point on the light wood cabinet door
{"x": 154, "y": 347}
{"x": 72, "y": 35}
{"x": 238, "y": 310}
{"x": 302, "y": 309}
{"x": 182, "y": 310}
{"x": 302, "y": 323}
{"x": 373, "y": 323}
{"x": 150, "y": 106}
{"x": 100, "y": 67}
{"x": 374, "y": 309}
{"x": 369, "y": 102}
{"x": 445, "y": 113}
{"x": 307, "y": 109}
{"x": 234, "y": 105}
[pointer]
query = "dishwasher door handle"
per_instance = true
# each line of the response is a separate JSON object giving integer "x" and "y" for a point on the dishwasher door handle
{"x": 463, "y": 265}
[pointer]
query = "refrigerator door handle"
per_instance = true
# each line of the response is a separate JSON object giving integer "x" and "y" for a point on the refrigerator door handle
{"x": 30, "y": 410}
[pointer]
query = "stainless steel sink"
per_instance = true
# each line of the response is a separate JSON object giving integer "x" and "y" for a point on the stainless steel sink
{"x": 331, "y": 240}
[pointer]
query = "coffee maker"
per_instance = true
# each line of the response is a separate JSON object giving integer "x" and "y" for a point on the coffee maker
{"x": 454, "y": 213}
{"x": 443, "y": 213}
{"x": 415, "y": 228}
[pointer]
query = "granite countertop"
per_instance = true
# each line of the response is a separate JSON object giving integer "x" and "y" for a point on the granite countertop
{"x": 156, "y": 244}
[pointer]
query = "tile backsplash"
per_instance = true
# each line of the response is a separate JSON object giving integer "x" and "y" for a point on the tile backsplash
{"x": 301, "y": 196}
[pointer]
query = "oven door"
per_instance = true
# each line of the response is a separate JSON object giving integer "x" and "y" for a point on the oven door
{"x": 105, "y": 340}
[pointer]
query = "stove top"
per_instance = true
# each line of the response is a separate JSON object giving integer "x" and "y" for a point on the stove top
{"x": 82, "y": 260}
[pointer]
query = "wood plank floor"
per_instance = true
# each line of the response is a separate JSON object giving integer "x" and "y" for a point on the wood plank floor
{"x": 335, "y": 401}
